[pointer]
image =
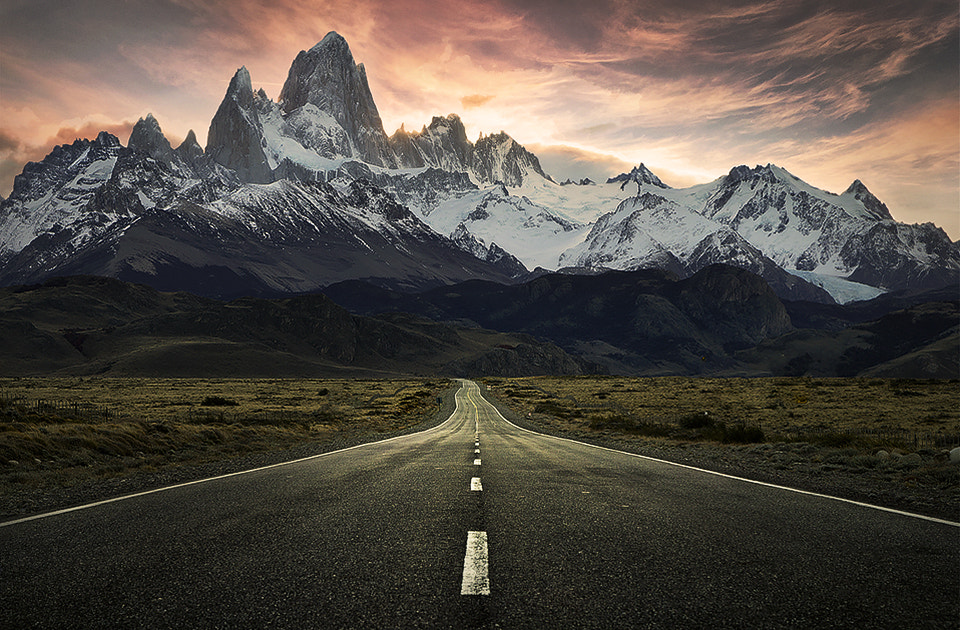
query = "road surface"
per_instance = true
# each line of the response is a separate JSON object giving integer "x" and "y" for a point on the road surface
{"x": 478, "y": 524}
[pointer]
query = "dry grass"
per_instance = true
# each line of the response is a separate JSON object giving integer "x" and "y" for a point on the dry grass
{"x": 64, "y": 431}
{"x": 875, "y": 412}
{"x": 875, "y": 440}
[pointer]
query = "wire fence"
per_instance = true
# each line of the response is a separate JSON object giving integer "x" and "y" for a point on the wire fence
{"x": 913, "y": 439}
{"x": 63, "y": 409}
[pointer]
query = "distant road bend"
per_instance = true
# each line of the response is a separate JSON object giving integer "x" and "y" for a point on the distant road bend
{"x": 478, "y": 523}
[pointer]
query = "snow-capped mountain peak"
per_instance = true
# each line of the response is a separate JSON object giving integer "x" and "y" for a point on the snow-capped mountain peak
{"x": 328, "y": 78}
{"x": 53, "y": 194}
{"x": 312, "y": 181}
{"x": 859, "y": 192}
{"x": 780, "y": 223}
{"x": 147, "y": 137}
{"x": 640, "y": 175}
{"x": 441, "y": 144}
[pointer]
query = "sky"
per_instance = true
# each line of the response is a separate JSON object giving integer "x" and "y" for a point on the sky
{"x": 831, "y": 90}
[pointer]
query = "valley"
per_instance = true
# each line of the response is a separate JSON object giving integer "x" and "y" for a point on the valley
{"x": 304, "y": 242}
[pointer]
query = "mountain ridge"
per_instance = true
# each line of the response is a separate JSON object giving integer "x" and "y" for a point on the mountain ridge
{"x": 483, "y": 209}
{"x": 87, "y": 325}
{"x": 722, "y": 321}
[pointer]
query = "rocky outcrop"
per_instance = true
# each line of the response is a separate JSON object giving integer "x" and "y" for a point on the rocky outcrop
{"x": 235, "y": 139}
{"x": 493, "y": 253}
{"x": 640, "y": 175}
{"x": 893, "y": 255}
{"x": 732, "y": 305}
{"x": 444, "y": 144}
{"x": 524, "y": 359}
{"x": 147, "y": 137}
{"x": 499, "y": 158}
{"x": 327, "y": 78}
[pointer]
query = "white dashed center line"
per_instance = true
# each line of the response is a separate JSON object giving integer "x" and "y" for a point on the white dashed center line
{"x": 476, "y": 580}
{"x": 475, "y": 484}
{"x": 476, "y": 462}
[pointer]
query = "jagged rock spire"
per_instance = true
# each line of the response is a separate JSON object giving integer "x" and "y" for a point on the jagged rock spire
{"x": 147, "y": 137}
{"x": 327, "y": 77}
{"x": 235, "y": 139}
{"x": 640, "y": 175}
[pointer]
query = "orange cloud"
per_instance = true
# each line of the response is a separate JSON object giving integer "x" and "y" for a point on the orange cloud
{"x": 910, "y": 162}
{"x": 476, "y": 100}
{"x": 89, "y": 131}
{"x": 8, "y": 142}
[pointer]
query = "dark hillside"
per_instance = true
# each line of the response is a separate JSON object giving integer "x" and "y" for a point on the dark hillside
{"x": 88, "y": 325}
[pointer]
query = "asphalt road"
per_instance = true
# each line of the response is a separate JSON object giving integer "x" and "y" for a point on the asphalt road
{"x": 529, "y": 532}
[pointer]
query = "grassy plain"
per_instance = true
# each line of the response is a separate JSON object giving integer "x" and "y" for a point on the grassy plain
{"x": 906, "y": 414}
{"x": 881, "y": 441}
{"x": 61, "y": 431}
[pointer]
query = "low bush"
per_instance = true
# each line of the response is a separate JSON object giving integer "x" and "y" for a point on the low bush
{"x": 626, "y": 424}
{"x": 697, "y": 421}
{"x": 218, "y": 401}
{"x": 833, "y": 439}
{"x": 742, "y": 434}
{"x": 558, "y": 410}
{"x": 612, "y": 423}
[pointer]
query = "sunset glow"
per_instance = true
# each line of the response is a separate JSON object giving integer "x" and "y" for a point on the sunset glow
{"x": 831, "y": 91}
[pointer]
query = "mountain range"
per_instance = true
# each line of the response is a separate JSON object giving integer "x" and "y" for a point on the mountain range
{"x": 308, "y": 193}
{"x": 292, "y": 195}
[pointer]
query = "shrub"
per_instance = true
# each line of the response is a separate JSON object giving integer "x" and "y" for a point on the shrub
{"x": 743, "y": 434}
{"x": 613, "y": 423}
{"x": 625, "y": 424}
{"x": 218, "y": 401}
{"x": 653, "y": 429}
{"x": 834, "y": 439}
{"x": 697, "y": 421}
{"x": 549, "y": 407}
{"x": 558, "y": 410}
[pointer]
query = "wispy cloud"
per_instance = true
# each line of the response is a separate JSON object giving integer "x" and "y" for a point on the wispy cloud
{"x": 697, "y": 85}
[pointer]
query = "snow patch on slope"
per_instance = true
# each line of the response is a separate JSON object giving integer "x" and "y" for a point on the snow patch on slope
{"x": 533, "y": 233}
{"x": 58, "y": 207}
{"x": 841, "y": 289}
